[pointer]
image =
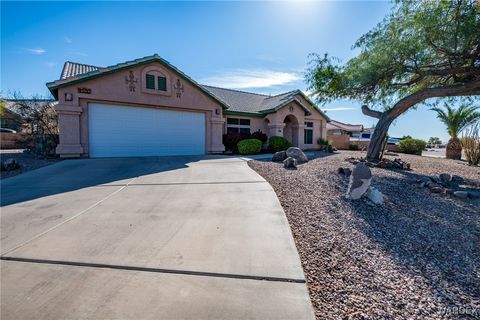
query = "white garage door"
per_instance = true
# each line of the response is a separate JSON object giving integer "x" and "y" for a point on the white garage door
{"x": 123, "y": 131}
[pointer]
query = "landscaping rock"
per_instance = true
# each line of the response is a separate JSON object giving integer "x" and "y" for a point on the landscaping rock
{"x": 374, "y": 196}
{"x": 345, "y": 171}
{"x": 290, "y": 163}
{"x": 436, "y": 189}
{"x": 474, "y": 194}
{"x": 10, "y": 164}
{"x": 449, "y": 191}
{"x": 298, "y": 154}
{"x": 445, "y": 178}
{"x": 457, "y": 179}
{"x": 360, "y": 180}
{"x": 461, "y": 194}
{"x": 279, "y": 156}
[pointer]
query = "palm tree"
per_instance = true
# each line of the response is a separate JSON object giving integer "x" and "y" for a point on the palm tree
{"x": 456, "y": 120}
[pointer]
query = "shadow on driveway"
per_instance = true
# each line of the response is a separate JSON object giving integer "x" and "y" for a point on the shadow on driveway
{"x": 70, "y": 175}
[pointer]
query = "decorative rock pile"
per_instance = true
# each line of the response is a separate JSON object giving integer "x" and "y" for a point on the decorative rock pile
{"x": 448, "y": 184}
{"x": 385, "y": 163}
{"x": 9, "y": 165}
{"x": 359, "y": 184}
{"x": 291, "y": 157}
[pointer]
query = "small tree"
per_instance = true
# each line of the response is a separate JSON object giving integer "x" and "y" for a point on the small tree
{"x": 39, "y": 121}
{"x": 471, "y": 144}
{"x": 456, "y": 120}
{"x": 422, "y": 50}
{"x": 434, "y": 141}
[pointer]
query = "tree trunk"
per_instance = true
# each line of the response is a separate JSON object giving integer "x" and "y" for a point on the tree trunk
{"x": 378, "y": 137}
{"x": 386, "y": 118}
{"x": 454, "y": 149}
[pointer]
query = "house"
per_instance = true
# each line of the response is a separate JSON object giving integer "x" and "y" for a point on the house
{"x": 9, "y": 118}
{"x": 342, "y": 134}
{"x": 148, "y": 107}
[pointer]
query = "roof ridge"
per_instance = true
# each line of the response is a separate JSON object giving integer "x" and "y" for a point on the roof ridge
{"x": 287, "y": 92}
{"x": 348, "y": 124}
{"x": 241, "y": 91}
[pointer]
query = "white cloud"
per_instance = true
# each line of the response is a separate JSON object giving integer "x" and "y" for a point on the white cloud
{"x": 67, "y": 40}
{"x": 338, "y": 109}
{"x": 50, "y": 64}
{"x": 251, "y": 78}
{"x": 35, "y": 50}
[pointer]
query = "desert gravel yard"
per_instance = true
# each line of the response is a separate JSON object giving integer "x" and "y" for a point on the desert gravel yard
{"x": 417, "y": 256}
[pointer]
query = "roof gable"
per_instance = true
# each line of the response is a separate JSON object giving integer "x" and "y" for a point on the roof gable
{"x": 72, "y": 74}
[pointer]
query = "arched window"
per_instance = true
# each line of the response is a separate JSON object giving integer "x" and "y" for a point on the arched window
{"x": 156, "y": 81}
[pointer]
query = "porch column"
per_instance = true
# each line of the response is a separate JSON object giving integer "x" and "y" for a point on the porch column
{"x": 216, "y": 136}
{"x": 275, "y": 129}
{"x": 69, "y": 131}
{"x": 298, "y": 134}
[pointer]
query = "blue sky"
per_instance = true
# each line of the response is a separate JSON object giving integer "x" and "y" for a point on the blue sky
{"x": 253, "y": 46}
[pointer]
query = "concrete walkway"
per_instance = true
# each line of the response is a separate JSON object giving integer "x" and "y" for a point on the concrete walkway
{"x": 147, "y": 238}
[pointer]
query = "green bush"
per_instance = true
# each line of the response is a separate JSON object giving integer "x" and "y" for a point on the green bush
{"x": 412, "y": 146}
{"x": 279, "y": 143}
{"x": 324, "y": 142}
{"x": 353, "y": 146}
{"x": 249, "y": 146}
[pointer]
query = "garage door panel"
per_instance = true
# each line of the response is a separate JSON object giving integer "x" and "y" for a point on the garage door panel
{"x": 123, "y": 131}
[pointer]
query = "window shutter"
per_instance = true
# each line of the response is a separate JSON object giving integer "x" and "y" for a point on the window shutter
{"x": 162, "y": 83}
{"x": 150, "y": 81}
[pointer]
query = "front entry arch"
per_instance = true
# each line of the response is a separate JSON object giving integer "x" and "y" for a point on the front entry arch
{"x": 290, "y": 131}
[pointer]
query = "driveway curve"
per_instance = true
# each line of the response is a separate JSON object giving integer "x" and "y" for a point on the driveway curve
{"x": 149, "y": 238}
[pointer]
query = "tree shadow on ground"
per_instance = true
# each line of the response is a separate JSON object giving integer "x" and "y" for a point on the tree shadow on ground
{"x": 434, "y": 236}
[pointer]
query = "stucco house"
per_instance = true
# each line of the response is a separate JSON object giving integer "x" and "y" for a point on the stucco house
{"x": 148, "y": 107}
{"x": 341, "y": 134}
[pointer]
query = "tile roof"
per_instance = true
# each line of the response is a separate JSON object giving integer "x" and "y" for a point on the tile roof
{"x": 72, "y": 69}
{"x": 233, "y": 100}
{"x": 336, "y": 125}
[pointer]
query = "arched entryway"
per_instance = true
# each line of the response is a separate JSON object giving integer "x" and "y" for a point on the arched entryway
{"x": 290, "y": 131}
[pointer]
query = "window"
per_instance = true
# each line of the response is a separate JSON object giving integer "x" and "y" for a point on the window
{"x": 150, "y": 81}
{"x": 156, "y": 82}
{"x": 238, "y": 125}
{"x": 308, "y": 133}
{"x": 162, "y": 83}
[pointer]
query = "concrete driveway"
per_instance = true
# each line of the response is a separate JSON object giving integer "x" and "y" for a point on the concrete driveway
{"x": 147, "y": 238}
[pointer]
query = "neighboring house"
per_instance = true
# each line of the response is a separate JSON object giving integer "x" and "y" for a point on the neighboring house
{"x": 9, "y": 119}
{"x": 342, "y": 134}
{"x": 147, "y": 107}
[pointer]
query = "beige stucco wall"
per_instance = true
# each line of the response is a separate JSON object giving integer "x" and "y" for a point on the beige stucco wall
{"x": 273, "y": 124}
{"x": 114, "y": 89}
{"x": 276, "y": 124}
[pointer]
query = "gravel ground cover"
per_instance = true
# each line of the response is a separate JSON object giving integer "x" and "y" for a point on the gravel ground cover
{"x": 27, "y": 162}
{"x": 415, "y": 257}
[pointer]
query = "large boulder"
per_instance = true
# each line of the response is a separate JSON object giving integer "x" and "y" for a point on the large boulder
{"x": 279, "y": 156}
{"x": 290, "y": 163}
{"x": 298, "y": 154}
{"x": 360, "y": 180}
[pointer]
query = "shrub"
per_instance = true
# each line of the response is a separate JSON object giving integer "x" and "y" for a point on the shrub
{"x": 471, "y": 144}
{"x": 353, "y": 146}
{"x": 324, "y": 142}
{"x": 260, "y": 136}
{"x": 249, "y": 146}
{"x": 325, "y": 145}
{"x": 231, "y": 139}
{"x": 412, "y": 146}
{"x": 278, "y": 143}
